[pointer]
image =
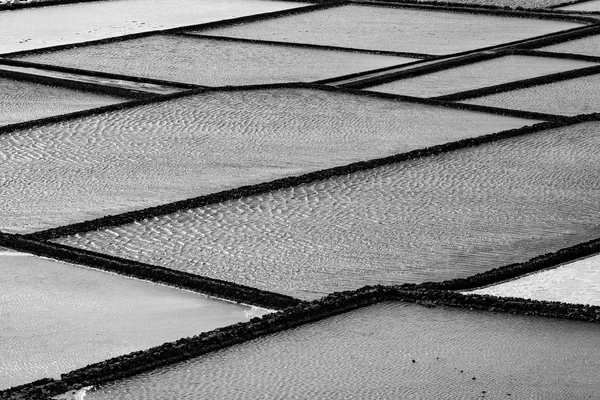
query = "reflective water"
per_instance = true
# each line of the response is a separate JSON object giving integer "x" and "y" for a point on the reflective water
{"x": 89, "y": 167}
{"x": 479, "y": 75}
{"x": 589, "y": 46}
{"x": 56, "y": 317}
{"x": 577, "y": 282}
{"x": 23, "y": 101}
{"x": 390, "y": 351}
{"x": 73, "y": 23}
{"x": 437, "y": 218}
{"x": 569, "y": 97}
{"x": 405, "y": 30}
{"x": 215, "y": 62}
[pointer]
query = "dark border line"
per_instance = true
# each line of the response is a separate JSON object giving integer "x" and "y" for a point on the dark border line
{"x": 304, "y": 313}
{"x": 49, "y": 3}
{"x": 284, "y": 183}
{"x": 303, "y": 45}
{"x": 562, "y": 37}
{"x": 444, "y": 64}
{"x": 522, "y": 84}
{"x": 97, "y": 74}
{"x": 77, "y": 86}
{"x": 6, "y": 129}
{"x": 467, "y": 9}
{"x": 550, "y": 54}
{"x": 210, "y": 25}
{"x": 179, "y": 279}
{"x": 543, "y": 10}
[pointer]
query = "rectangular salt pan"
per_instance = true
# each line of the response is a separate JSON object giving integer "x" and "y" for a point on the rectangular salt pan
{"x": 391, "y": 351}
{"x": 213, "y": 62}
{"x": 479, "y": 75}
{"x": 57, "y": 317}
{"x": 589, "y": 46}
{"x": 74, "y": 23}
{"x": 568, "y": 97}
{"x": 437, "y": 218}
{"x": 394, "y": 29}
{"x": 158, "y": 153}
{"x": 576, "y": 282}
{"x": 24, "y": 101}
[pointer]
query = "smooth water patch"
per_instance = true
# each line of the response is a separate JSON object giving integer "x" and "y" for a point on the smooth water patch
{"x": 24, "y": 101}
{"x": 576, "y": 282}
{"x": 213, "y": 62}
{"x": 589, "y": 46}
{"x": 390, "y": 351}
{"x": 437, "y": 218}
{"x": 569, "y": 97}
{"x": 34, "y": 28}
{"x": 395, "y": 29}
{"x": 158, "y": 153}
{"x": 479, "y": 75}
{"x": 110, "y": 82}
{"x": 55, "y": 317}
{"x": 585, "y": 6}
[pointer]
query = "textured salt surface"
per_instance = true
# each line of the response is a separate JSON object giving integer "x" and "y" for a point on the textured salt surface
{"x": 569, "y": 97}
{"x": 438, "y": 218}
{"x": 55, "y": 317}
{"x": 76, "y": 170}
{"x": 24, "y": 101}
{"x": 586, "y": 6}
{"x": 369, "y": 353}
{"x": 404, "y": 30}
{"x": 589, "y": 46}
{"x": 73, "y": 23}
{"x": 216, "y": 62}
{"x": 513, "y": 3}
{"x": 479, "y": 75}
{"x": 577, "y": 282}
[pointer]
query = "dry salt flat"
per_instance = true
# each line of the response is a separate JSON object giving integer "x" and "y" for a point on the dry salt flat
{"x": 34, "y": 28}
{"x": 401, "y": 30}
{"x": 576, "y": 282}
{"x": 55, "y": 317}
{"x": 214, "y": 62}
{"x": 478, "y": 75}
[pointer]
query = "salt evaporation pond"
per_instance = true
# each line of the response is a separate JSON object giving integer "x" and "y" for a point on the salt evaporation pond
{"x": 576, "y": 282}
{"x": 89, "y": 167}
{"x": 585, "y": 6}
{"x": 56, "y": 317}
{"x": 24, "y": 101}
{"x": 397, "y": 29}
{"x": 479, "y": 75}
{"x": 589, "y": 46}
{"x": 512, "y": 3}
{"x": 214, "y": 62}
{"x": 569, "y": 97}
{"x": 74, "y": 23}
{"x": 437, "y": 218}
{"x": 369, "y": 353}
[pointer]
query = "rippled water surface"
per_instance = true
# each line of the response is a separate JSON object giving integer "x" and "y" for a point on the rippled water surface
{"x": 73, "y": 23}
{"x": 216, "y": 62}
{"x": 569, "y": 97}
{"x": 589, "y": 46}
{"x": 369, "y": 353}
{"x": 24, "y": 101}
{"x": 56, "y": 317}
{"x": 437, "y": 218}
{"x": 577, "y": 282}
{"x": 479, "y": 75}
{"x": 158, "y": 153}
{"x": 404, "y": 30}
{"x": 585, "y": 6}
